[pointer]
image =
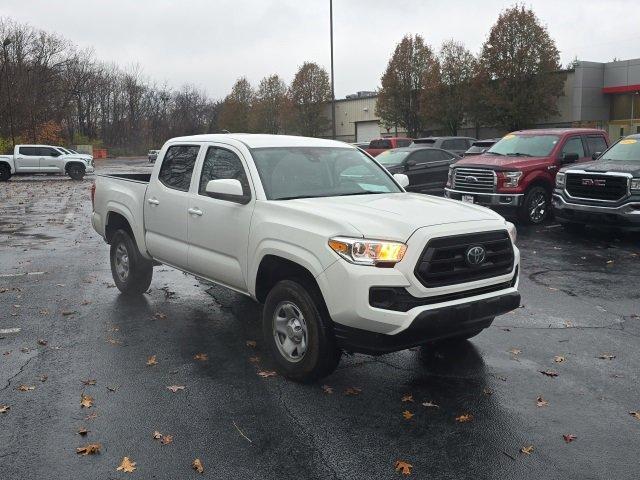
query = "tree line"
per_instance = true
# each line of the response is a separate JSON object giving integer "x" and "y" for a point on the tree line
{"x": 53, "y": 92}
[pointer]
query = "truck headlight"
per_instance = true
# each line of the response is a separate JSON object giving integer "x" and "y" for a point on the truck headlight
{"x": 635, "y": 184}
{"x": 560, "y": 179}
{"x": 511, "y": 230}
{"x": 368, "y": 252}
{"x": 511, "y": 179}
{"x": 450, "y": 178}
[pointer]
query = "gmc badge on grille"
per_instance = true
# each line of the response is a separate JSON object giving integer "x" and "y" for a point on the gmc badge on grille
{"x": 597, "y": 182}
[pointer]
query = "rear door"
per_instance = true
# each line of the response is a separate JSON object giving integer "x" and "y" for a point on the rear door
{"x": 27, "y": 159}
{"x": 166, "y": 203}
{"x": 51, "y": 160}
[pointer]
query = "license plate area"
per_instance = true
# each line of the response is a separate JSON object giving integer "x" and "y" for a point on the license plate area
{"x": 468, "y": 199}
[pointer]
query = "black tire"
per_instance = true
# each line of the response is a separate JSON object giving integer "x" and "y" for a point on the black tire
{"x": 139, "y": 270}
{"x": 322, "y": 354}
{"x": 5, "y": 173}
{"x": 531, "y": 211}
{"x": 76, "y": 172}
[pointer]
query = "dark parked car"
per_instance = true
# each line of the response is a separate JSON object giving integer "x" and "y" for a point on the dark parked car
{"x": 480, "y": 146}
{"x": 426, "y": 167}
{"x": 457, "y": 145}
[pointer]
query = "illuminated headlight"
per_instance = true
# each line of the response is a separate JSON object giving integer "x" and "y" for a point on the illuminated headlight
{"x": 368, "y": 252}
{"x": 635, "y": 184}
{"x": 511, "y": 179}
{"x": 513, "y": 233}
{"x": 560, "y": 179}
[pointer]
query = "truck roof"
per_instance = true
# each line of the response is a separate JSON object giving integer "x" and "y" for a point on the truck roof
{"x": 558, "y": 131}
{"x": 252, "y": 140}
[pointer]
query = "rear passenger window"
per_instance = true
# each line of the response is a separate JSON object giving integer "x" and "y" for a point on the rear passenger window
{"x": 177, "y": 166}
{"x": 28, "y": 151}
{"x": 221, "y": 163}
{"x": 455, "y": 144}
{"x": 596, "y": 143}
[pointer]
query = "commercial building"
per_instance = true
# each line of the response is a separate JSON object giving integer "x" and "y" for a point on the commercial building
{"x": 600, "y": 95}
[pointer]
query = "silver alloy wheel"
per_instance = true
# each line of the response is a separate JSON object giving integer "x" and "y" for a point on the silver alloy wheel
{"x": 122, "y": 262}
{"x": 290, "y": 331}
{"x": 538, "y": 207}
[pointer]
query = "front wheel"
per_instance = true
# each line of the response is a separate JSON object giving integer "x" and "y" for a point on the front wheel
{"x": 76, "y": 172}
{"x": 298, "y": 333}
{"x": 131, "y": 272}
{"x": 535, "y": 206}
{"x": 5, "y": 173}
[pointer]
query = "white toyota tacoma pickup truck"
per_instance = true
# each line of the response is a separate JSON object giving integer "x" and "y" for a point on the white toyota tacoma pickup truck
{"x": 44, "y": 159}
{"x": 342, "y": 258}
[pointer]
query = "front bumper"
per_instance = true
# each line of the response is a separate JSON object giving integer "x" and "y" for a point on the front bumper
{"x": 626, "y": 215}
{"x": 511, "y": 200}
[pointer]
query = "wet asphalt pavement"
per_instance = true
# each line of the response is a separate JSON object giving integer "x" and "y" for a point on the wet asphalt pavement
{"x": 581, "y": 300}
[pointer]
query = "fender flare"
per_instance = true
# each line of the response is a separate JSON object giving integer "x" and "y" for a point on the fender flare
{"x": 121, "y": 209}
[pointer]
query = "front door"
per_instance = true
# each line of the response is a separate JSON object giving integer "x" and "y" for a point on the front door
{"x": 51, "y": 160}
{"x": 165, "y": 207}
{"x": 219, "y": 229}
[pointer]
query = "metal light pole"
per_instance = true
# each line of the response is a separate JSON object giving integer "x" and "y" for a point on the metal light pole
{"x": 5, "y": 44}
{"x": 333, "y": 91}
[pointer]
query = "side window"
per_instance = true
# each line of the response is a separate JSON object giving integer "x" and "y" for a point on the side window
{"x": 442, "y": 155}
{"x": 177, "y": 166}
{"x": 403, "y": 143}
{"x": 455, "y": 144}
{"x": 28, "y": 151}
{"x": 48, "y": 152}
{"x": 573, "y": 145}
{"x": 221, "y": 163}
{"x": 596, "y": 143}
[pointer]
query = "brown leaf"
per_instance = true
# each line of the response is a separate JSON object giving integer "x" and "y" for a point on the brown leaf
{"x": 4, "y": 408}
{"x": 541, "y": 402}
{"x": 197, "y": 465}
{"x": 528, "y": 450}
{"x": 42, "y": 342}
{"x": 403, "y": 467}
{"x": 89, "y": 449}
{"x": 166, "y": 439}
{"x": 430, "y": 405}
{"x": 127, "y": 465}
{"x": 487, "y": 391}
{"x": 606, "y": 356}
{"x": 113, "y": 341}
{"x": 89, "y": 382}
{"x": 159, "y": 316}
{"x": 25, "y": 388}
{"x": 266, "y": 373}
{"x": 464, "y": 418}
{"x": 515, "y": 351}
{"x": 635, "y": 414}
{"x": 569, "y": 437}
{"x": 549, "y": 373}
{"x": 254, "y": 359}
{"x": 327, "y": 389}
{"x": 151, "y": 361}
{"x": 85, "y": 302}
{"x": 175, "y": 388}
{"x": 157, "y": 435}
{"x": 86, "y": 401}
{"x": 82, "y": 431}
{"x": 407, "y": 398}
{"x": 352, "y": 391}
{"x": 251, "y": 343}
{"x": 559, "y": 359}
{"x": 201, "y": 357}
{"x": 91, "y": 416}
{"x": 407, "y": 415}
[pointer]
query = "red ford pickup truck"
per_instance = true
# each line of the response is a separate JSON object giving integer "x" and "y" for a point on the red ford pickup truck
{"x": 517, "y": 174}
{"x": 379, "y": 145}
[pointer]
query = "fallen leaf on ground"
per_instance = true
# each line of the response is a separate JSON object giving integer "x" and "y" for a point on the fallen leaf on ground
{"x": 175, "y": 388}
{"x": 266, "y": 373}
{"x": 635, "y": 414}
{"x": 66, "y": 313}
{"x": 487, "y": 391}
{"x": 527, "y": 450}
{"x": 464, "y": 418}
{"x": 86, "y": 401}
{"x": 606, "y": 356}
{"x": 166, "y": 439}
{"x": 127, "y": 465}
{"x": 352, "y": 391}
{"x": 159, "y": 316}
{"x": 407, "y": 415}
{"x": 403, "y": 467}
{"x": 91, "y": 416}
{"x": 254, "y": 359}
{"x": 430, "y": 405}
{"x": 549, "y": 373}
{"x": 89, "y": 382}
{"x": 4, "y": 408}
{"x": 44, "y": 378}
{"x": 90, "y": 449}
{"x": 327, "y": 389}
{"x": 85, "y": 302}
{"x": 251, "y": 343}
{"x": 42, "y": 342}
{"x": 541, "y": 402}
{"x": 25, "y": 388}
{"x": 201, "y": 357}
{"x": 197, "y": 465}
{"x": 113, "y": 341}
{"x": 407, "y": 398}
{"x": 151, "y": 361}
{"x": 515, "y": 351}
{"x": 569, "y": 437}
{"x": 559, "y": 359}
{"x": 111, "y": 389}
{"x": 82, "y": 431}
{"x": 157, "y": 435}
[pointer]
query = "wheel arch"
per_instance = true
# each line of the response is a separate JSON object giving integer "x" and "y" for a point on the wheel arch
{"x": 274, "y": 268}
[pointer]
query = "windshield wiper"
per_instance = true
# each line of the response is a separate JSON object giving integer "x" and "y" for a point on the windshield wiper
{"x": 364, "y": 192}
{"x": 519, "y": 154}
{"x": 294, "y": 197}
{"x": 495, "y": 153}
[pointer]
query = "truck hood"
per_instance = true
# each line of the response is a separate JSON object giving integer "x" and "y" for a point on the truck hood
{"x": 497, "y": 162}
{"x": 600, "y": 166}
{"x": 392, "y": 216}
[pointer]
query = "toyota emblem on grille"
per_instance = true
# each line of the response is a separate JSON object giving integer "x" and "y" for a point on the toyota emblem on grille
{"x": 476, "y": 255}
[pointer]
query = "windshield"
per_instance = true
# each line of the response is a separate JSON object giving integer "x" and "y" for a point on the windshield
{"x": 525, "y": 145}
{"x": 392, "y": 157}
{"x": 627, "y": 150}
{"x": 304, "y": 172}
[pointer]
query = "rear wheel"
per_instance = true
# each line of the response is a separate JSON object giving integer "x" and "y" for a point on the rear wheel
{"x": 298, "y": 333}
{"x": 76, "y": 172}
{"x": 5, "y": 173}
{"x": 535, "y": 206}
{"x": 131, "y": 272}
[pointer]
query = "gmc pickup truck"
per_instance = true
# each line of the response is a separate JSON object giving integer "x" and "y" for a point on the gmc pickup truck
{"x": 44, "y": 159}
{"x": 342, "y": 258}
{"x": 605, "y": 192}
{"x": 517, "y": 174}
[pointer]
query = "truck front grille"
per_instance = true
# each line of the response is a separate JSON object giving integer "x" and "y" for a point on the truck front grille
{"x": 596, "y": 186}
{"x": 474, "y": 179}
{"x": 444, "y": 260}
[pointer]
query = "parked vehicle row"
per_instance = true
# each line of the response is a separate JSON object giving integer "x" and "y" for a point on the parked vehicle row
{"x": 29, "y": 159}
{"x": 457, "y": 145}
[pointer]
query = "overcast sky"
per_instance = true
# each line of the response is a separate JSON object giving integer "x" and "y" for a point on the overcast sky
{"x": 211, "y": 43}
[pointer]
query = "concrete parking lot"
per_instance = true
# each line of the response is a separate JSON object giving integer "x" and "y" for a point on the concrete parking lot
{"x": 66, "y": 332}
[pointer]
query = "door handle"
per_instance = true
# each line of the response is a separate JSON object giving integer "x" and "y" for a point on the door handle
{"x": 195, "y": 211}
{"x": 153, "y": 201}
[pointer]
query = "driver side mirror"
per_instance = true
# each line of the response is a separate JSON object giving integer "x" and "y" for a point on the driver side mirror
{"x": 402, "y": 179}
{"x": 228, "y": 189}
{"x": 569, "y": 157}
{"x": 595, "y": 155}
